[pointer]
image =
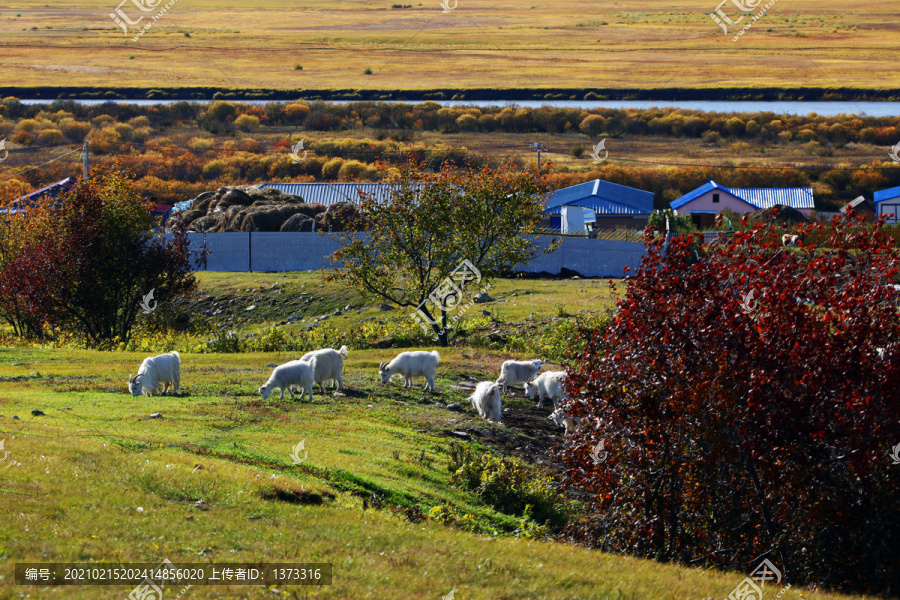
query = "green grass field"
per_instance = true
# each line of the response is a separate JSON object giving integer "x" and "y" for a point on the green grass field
{"x": 205, "y": 473}
{"x": 510, "y": 43}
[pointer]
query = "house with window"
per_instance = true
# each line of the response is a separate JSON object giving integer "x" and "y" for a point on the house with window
{"x": 703, "y": 203}
{"x": 887, "y": 202}
{"x": 598, "y": 204}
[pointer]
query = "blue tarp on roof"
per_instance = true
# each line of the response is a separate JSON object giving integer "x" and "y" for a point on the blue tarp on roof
{"x": 888, "y": 194}
{"x": 603, "y": 197}
{"x": 756, "y": 197}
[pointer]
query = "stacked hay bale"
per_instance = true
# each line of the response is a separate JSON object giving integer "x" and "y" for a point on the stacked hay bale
{"x": 247, "y": 208}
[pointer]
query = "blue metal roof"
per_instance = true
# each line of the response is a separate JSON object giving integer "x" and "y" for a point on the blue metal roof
{"x": 888, "y": 194}
{"x": 768, "y": 197}
{"x": 603, "y": 197}
{"x": 756, "y": 197}
{"x": 330, "y": 193}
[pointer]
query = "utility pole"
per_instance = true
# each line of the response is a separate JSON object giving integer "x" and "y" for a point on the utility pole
{"x": 87, "y": 160}
{"x": 539, "y": 147}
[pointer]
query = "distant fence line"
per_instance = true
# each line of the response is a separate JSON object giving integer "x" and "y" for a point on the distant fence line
{"x": 264, "y": 251}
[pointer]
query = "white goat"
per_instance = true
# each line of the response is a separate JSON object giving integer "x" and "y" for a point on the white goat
{"x": 288, "y": 375}
{"x": 789, "y": 240}
{"x": 547, "y": 385}
{"x": 412, "y": 364}
{"x": 155, "y": 374}
{"x": 486, "y": 400}
{"x": 562, "y": 419}
{"x": 514, "y": 372}
{"x": 328, "y": 365}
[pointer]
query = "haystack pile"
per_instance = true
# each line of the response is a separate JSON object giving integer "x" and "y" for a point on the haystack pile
{"x": 247, "y": 208}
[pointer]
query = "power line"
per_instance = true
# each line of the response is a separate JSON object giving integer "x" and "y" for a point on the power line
{"x": 41, "y": 165}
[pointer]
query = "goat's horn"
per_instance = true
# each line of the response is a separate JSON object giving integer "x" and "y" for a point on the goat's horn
{"x": 381, "y": 366}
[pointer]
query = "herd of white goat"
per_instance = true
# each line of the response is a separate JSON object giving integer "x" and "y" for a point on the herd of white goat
{"x": 158, "y": 373}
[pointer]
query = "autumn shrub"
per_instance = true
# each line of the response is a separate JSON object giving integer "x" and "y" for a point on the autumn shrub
{"x": 331, "y": 168}
{"x": 247, "y": 122}
{"x": 746, "y": 399}
{"x": 76, "y": 131}
{"x": 86, "y": 263}
{"x": 507, "y": 484}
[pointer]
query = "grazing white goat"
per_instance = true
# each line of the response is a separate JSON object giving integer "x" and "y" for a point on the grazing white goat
{"x": 789, "y": 240}
{"x": 286, "y": 376}
{"x": 513, "y": 372}
{"x": 328, "y": 365}
{"x": 486, "y": 400}
{"x": 547, "y": 385}
{"x": 562, "y": 419}
{"x": 155, "y": 375}
{"x": 412, "y": 364}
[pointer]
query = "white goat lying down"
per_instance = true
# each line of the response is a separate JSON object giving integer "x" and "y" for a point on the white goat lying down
{"x": 328, "y": 365}
{"x": 547, "y": 385}
{"x": 295, "y": 373}
{"x": 155, "y": 375}
{"x": 562, "y": 419}
{"x": 412, "y": 364}
{"x": 486, "y": 400}
{"x": 514, "y": 372}
{"x": 789, "y": 240}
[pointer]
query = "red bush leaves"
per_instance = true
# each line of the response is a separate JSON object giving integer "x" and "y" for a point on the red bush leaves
{"x": 747, "y": 410}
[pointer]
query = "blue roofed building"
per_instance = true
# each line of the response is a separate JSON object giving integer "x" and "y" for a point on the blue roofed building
{"x": 50, "y": 191}
{"x": 606, "y": 204}
{"x": 887, "y": 202}
{"x": 703, "y": 203}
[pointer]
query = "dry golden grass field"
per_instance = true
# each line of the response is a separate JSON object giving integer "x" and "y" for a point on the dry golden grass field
{"x": 503, "y": 43}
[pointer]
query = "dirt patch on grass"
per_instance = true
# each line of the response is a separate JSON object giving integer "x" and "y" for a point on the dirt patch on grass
{"x": 295, "y": 496}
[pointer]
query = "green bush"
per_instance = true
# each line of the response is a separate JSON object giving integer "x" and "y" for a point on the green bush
{"x": 508, "y": 485}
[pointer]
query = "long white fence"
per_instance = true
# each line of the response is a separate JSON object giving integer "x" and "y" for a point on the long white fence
{"x": 311, "y": 251}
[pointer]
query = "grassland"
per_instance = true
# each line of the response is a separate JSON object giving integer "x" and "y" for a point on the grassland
{"x": 202, "y": 474}
{"x": 509, "y": 43}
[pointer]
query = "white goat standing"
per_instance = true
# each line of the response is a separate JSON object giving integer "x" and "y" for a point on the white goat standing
{"x": 562, "y": 419}
{"x": 547, "y": 385}
{"x": 155, "y": 374}
{"x": 486, "y": 400}
{"x": 412, "y": 364}
{"x": 789, "y": 240}
{"x": 514, "y": 372}
{"x": 328, "y": 365}
{"x": 286, "y": 376}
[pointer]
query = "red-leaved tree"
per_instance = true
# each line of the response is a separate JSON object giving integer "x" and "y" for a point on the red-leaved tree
{"x": 744, "y": 404}
{"x": 90, "y": 263}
